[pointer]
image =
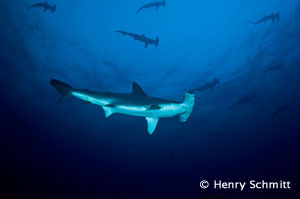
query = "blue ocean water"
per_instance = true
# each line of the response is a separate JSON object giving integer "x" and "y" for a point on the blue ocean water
{"x": 69, "y": 149}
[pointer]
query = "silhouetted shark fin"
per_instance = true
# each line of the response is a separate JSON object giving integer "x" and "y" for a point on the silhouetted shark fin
{"x": 108, "y": 110}
{"x": 64, "y": 89}
{"x": 122, "y": 32}
{"x": 156, "y": 41}
{"x": 146, "y": 45}
{"x": 137, "y": 90}
{"x": 152, "y": 123}
{"x": 139, "y": 10}
{"x": 157, "y": 7}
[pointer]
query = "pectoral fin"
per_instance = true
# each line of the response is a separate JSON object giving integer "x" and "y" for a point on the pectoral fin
{"x": 108, "y": 110}
{"x": 152, "y": 123}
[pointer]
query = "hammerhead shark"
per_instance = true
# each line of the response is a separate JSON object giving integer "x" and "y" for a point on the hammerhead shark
{"x": 141, "y": 38}
{"x": 44, "y": 5}
{"x": 136, "y": 103}
{"x": 152, "y": 5}
{"x": 272, "y": 68}
{"x": 278, "y": 110}
{"x": 267, "y": 18}
{"x": 243, "y": 100}
{"x": 208, "y": 85}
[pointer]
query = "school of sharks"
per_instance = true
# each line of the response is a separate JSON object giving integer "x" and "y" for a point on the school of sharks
{"x": 138, "y": 103}
{"x": 149, "y": 98}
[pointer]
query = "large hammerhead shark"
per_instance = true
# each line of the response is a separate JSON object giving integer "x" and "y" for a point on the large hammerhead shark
{"x": 136, "y": 103}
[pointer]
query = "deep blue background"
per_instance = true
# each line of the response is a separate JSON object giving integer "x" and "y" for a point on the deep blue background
{"x": 70, "y": 150}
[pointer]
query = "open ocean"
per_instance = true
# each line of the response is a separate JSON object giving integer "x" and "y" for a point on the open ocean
{"x": 245, "y": 124}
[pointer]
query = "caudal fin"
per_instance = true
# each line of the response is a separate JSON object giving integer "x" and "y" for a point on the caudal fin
{"x": 122, "y": 32}
{"x": 64, "y": 89}
{"x": 139, "y": 10}
{"x": 188, "y": 103}
{"x": 156, "y": 41}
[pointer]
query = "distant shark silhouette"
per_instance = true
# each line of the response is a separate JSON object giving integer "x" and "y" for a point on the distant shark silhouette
{"x": 243, "y": 100}
{"x": 141, "y": 38}
{"x": 44, "y": 5}
{"x": 152, "y": 5}
{"x": 208, "y": 85}
{"x": 272, "y": 68}
{"x": 135, "y": 104}
{"x": 267, "y": 18}
{"x": 279, "y": 110}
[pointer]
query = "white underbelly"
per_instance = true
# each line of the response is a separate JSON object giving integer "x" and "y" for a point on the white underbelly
{"x": 166, "y": 111}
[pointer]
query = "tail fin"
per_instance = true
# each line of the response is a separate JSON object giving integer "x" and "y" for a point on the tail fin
{"x": 188, "y": 103}
{"x": 122, "y": 32}
{"x": 156, "y": 42}
{"x": 139, "y": 10}
{"x": 164, "y": 3}
{"x": 64, "y": 89}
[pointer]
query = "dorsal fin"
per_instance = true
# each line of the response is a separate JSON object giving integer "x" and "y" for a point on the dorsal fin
{"x": 137, "y": 90}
